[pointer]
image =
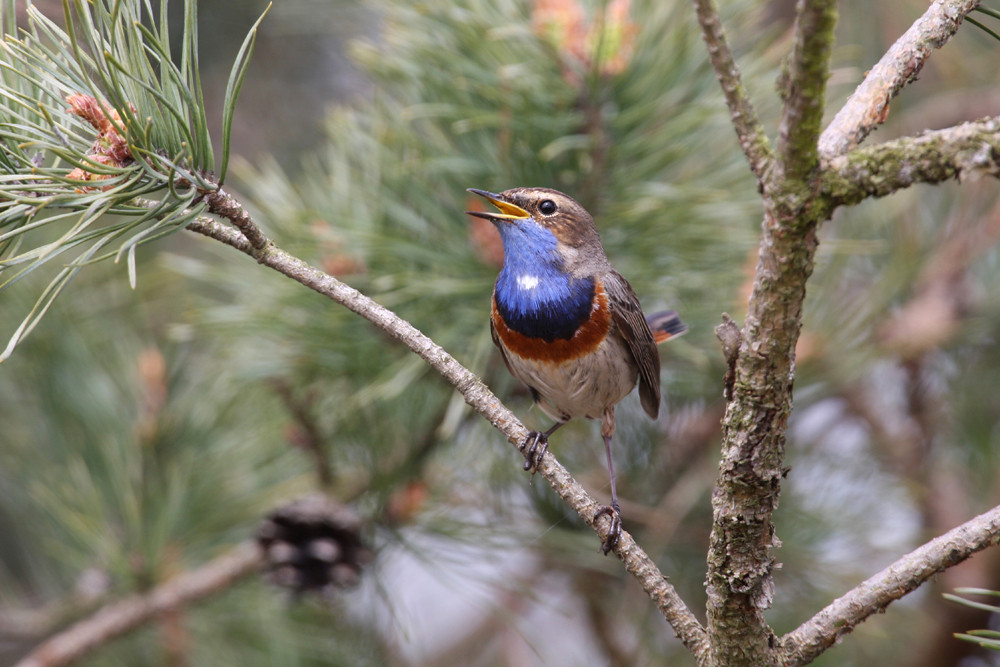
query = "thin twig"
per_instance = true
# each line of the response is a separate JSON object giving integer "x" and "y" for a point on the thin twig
{"x": 809, "y": 640}
{"x": 479, "y": 396}
{"x": 118, "y": 618}
{"x": 753, "y": 140}
{"x": 216, "y": 230}
{"x": 868, "y": 107}
{"x": 804, "y": 86}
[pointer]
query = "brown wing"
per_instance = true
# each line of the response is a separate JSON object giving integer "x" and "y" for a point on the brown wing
{"x": 627, "y": 316}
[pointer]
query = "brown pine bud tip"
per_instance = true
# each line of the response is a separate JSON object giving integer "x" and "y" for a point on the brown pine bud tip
{"x": 110, "y": 147}
{"x": 80, "y": 174}
{"x": 88, "y": 108}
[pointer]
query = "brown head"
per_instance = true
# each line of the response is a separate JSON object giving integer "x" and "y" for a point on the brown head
{"x": 540, "y": 214}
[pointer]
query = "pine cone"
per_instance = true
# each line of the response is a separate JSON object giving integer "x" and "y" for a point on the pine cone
{"x": 312, "y": 544}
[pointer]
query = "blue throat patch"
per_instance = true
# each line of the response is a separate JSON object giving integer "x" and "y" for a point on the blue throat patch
{"x": 534, "y": 296}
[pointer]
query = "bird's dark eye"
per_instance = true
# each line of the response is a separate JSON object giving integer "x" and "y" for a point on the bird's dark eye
{"x": 547, "y": 207}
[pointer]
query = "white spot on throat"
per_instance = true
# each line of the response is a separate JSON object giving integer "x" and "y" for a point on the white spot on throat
{"x": 527, "y": 281}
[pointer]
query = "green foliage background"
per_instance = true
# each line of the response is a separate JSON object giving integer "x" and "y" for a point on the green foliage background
{"x": 146, "y": 430}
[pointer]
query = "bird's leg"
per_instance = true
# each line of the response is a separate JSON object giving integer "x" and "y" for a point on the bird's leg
{"x": 613, "y": 511}
{"x": 535, "y": 446}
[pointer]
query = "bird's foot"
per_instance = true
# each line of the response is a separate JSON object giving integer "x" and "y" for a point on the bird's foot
{"x": 534, "y": 448}
{"x": 614, "y": 529}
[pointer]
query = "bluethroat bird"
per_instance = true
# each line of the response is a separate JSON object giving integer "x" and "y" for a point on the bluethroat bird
{"x": 567, "y": 324}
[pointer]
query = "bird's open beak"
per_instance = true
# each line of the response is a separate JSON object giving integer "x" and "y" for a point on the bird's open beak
{"x": 508, "y": 211}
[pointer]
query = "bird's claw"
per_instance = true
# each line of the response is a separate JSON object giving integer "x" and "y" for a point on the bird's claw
{"x": 534, "y": 448}
{"x": 614, "y": 529}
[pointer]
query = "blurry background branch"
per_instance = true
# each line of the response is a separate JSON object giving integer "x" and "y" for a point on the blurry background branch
{"x": 122, "y": 616}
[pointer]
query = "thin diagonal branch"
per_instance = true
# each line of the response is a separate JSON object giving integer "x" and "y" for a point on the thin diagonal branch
{"x": 122, "y": 616}
{"x": 808, "y": 641}
{"x": 868, "y": 107}
{"x": 753, "y": 140}
{"x": 804, "y": 87}
{"x": 965, "y": 151}
{"x": 479, "y": 396}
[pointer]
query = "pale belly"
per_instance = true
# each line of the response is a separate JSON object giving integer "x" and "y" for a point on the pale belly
{"x": 583, "y": 387}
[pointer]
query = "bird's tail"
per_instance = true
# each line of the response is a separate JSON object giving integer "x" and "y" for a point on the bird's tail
{"x": 665, "y": 325}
